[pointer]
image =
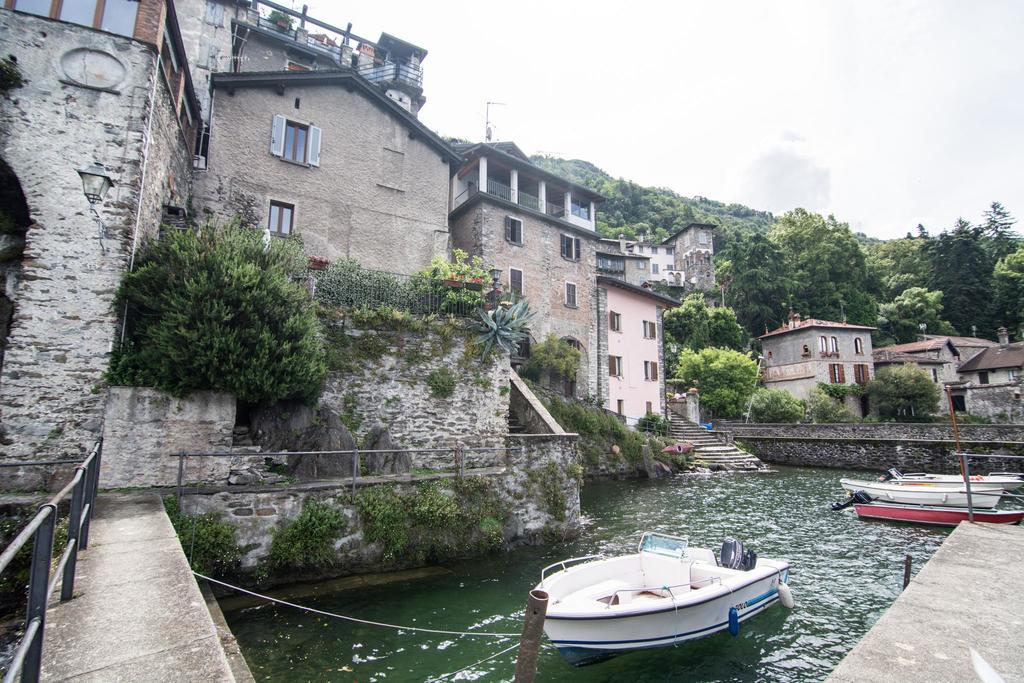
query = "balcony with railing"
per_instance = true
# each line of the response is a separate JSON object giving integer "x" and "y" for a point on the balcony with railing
{"x": 392, "y": 71}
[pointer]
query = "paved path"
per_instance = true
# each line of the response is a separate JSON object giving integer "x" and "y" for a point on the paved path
{"x": 969, "y": 595}
{"x": 137, "y": 614}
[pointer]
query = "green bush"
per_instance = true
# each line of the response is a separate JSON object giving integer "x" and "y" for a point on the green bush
{"x": 598, "y": 430}
{"x": 10, "y": 75}
{"x": 776, "y": 405}
{"x": 208, "y": 541}
{"x": 553, "y": 358}
{"x": 307, "y": 542}
{"x": 652, "y": 423}
{"x": 384, "y": 519}
{"x": 441, "y": 383}
{"x": 217, "y": 309}
{"x": 825, "y": 409}
{"x": 904, "y": 392}
{"x": 725, "y": 379}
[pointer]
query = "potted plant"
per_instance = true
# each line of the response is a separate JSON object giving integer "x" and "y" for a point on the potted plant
{"x": 475, "y": 283}
{"x": 318, "y": 263}
{"x": 281, "y": 20}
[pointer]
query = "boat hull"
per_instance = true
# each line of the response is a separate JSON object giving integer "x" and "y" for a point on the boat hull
{"x": 586, "y": 639}
{"x": 985, "y": 495}
{"x": 935, "y": 515}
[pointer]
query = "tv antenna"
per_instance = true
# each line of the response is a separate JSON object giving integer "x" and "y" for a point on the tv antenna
{"x": 488, "y": 133}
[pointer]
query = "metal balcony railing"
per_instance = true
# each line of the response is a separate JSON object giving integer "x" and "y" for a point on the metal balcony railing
{"x": 392, "y": 71}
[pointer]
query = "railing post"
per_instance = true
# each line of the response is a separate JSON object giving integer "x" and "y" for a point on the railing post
{"x": 181, "y": 478}
{"x": 39, "y": 580}
{"x": 67, "y": 586}
{"x": 460, "y": 461}
{"x": 92, "y": 484}
{"x": 965, "y": 464}
{"x": 355, "y": 471}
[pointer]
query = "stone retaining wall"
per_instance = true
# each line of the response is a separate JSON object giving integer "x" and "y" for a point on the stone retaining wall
{"x": 876, "y": 430}
{"x": 143, "y": 427}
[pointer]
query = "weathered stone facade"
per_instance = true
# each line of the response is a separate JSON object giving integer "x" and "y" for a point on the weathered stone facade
{"x": 120, "y": 112}
{"x": 479, "y": 229}
{"x": 379, "y": 194}
{"x": 393, "y": 390}
{"x": 143, "y": 428}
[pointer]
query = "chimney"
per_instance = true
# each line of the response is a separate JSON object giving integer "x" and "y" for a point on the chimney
{"x": 622, "y": 243}
{"x": 1004, "y": 337}
{"x": 794, "y": 320}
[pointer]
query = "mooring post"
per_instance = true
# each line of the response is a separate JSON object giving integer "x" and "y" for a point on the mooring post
{"x": 529, "y": 642}
{"x": 906, "y": 572}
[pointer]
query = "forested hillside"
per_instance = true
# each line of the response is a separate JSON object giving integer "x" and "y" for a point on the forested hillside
{"x": 968, "y": 279}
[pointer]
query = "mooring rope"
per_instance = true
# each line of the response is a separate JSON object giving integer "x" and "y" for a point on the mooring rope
{"x": 486, "y": 659}
{"x": 334, "y": 615}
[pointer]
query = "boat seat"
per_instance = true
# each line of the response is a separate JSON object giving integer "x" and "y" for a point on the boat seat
{"x": 604, "y": 592}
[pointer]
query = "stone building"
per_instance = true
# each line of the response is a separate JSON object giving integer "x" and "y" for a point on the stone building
{"x": 540, "y": 230}
{"x": 314, "y": 133}
{"x": 109, "y": 87}
{"x": 693, "y": 251}
{"x": 636, "y": 358}
{"x": 803, "y": 353}
{"x": 615, "y": 260}
{"x": 938, "y": 356}
{"x": 991, "y": 382}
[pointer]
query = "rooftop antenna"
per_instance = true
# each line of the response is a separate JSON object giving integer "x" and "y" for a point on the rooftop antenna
{"x": 488, "y": 132}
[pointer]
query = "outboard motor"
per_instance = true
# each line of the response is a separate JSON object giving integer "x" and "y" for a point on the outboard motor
{"x": 749, "y": 560}
{"x": 860, "y": 496}
{"x": 735, "y": 556}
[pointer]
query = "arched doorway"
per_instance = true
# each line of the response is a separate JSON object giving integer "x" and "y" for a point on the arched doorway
{"x": 569, "y": 384}
{"x": 14, "y": 222}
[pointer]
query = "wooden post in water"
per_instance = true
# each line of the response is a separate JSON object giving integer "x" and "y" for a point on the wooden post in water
{"x": 906, "y": 572}
{"x": 529, "y": 642}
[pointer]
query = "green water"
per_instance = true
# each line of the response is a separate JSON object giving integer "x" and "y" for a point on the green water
{"x": 845, "y": 573}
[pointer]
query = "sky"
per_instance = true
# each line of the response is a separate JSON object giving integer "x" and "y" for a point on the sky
{"x": 884, "y": 113}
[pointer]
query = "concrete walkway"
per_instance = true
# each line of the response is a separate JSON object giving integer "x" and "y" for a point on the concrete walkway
{"x": 137, "y": 614}
{"x": 969, "y": 595}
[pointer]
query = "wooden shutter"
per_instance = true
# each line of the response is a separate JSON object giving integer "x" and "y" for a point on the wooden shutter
{"x": 842, "y": 374}
{"x": 611, "y": 366}
{"x": 508, "y": 228}
{"x": 314, "y": 145}
{"x": 654, "y": 369}
{"x": 277, "y": 136}
{"x": 576, "y": 248}
{"x": 515, "y": 278}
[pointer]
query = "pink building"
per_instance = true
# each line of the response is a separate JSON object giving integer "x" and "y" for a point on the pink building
{"x": 636, "y": 377}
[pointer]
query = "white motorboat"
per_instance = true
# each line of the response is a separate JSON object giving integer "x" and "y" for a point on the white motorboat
{"x": 985, "y": 495}
{"x": 666, "y": 593}
{"x": 1009, "y": 481}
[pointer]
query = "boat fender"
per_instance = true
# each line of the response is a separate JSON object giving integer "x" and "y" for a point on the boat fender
{"x": 734, "y": 621}
{"x": 786, "y": 596}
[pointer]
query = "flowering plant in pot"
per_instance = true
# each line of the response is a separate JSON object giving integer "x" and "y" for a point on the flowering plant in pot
{"x": 318, "y": 263}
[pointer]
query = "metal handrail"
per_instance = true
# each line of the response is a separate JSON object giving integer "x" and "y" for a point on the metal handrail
{"x": 563, "y": 563}
{"x": 27, "y": 660}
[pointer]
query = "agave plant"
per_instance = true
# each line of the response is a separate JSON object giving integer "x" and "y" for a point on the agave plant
{"x": 505, "y": 327}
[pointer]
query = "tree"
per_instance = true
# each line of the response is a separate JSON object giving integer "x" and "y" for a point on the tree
{"x": 724, "y": 378}
{"x": 553, "y": 359}
{"x": 759, "y": 282}
{"x": 904, "y": 391}
{"x": 1008, "y": 292}
{"x": 899, "y": 265}
{"x": 694, "y": 325}
{"x": 825, "y": 409}
{"x": 998, "y": 231}
{"x": 217, "y": 309}
{"x": 827, "y": 267}
{"x": 962, "y": 270}
{"x": 900, "y": 320}
{"x": 776, "y": 405}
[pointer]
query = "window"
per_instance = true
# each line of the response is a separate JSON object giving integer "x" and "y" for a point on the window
{"x": 650, "y": 370}
{"x": 649, "y": 408}
{"x": 282, "y": 217}
{"x": 836, "y": 373}
{"x": 654, "y": 268}
{"x": 861, "y": 374}
{"x": 669, "y": 251}
{"x": 513, "y": 230}
{"x": 770, "y": 354}
{"x": 806, "y": 352}
{"x": 835, "y": 346}
{"x": 570, "y": 248}
{"x": 654, "y": 250}
{"x": 703, "y": 237}
{"x": 641, "y": 265}
{"x": 614, "y": 321}
{"x": 515, "y": 280}
{"x": 983, "y": 377}
{"x": 858, "y": 346}
{"x": 214, "y": 13}
{"x": 296, "y": 142}
{"x": 823, "y": 344}
{"x": 570, "y": 295}
{"x": 40, "y": 7}
{"x": 80, "y": 12}
{"x": 935, "y": 375}
{"x": 650, "y": 330}
{"x": 119, "y": 16}
{"x": 1014, "y": 374}
{"x": 580, "y": 208}
{"x": 615, "y": 366}
{"x": 620, "y": 406}
{"x": 639, "y": 248}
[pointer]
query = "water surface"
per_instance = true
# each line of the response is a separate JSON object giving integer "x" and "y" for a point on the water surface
{"x": 845, "y": 573}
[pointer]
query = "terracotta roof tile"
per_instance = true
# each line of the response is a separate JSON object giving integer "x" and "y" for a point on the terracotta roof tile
{"x": 814, "y": 322}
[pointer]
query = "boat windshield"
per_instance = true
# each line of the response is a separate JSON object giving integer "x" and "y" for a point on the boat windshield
{"x": 669, "y": 546}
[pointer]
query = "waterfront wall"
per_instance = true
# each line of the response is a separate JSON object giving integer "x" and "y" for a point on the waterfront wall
{"x": 539, "y": 489}
{"x": 143, "y": 427}
{"x": 876, "y": 430}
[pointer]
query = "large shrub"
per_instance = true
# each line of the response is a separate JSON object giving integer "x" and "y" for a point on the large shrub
{"x": 218, "y": 309}
{"x": 307, "y": 542}
{"x": 904, "y": 392}
{"x": 208, "y": 541}
{"x": 824, "y": 408}
{"x": 776, "y": 405}
{"x": 553, "y": 359}
{"x": 725, "y": 379}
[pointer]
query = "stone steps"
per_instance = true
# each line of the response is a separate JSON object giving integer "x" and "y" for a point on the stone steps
{"x": 709, "y": 450}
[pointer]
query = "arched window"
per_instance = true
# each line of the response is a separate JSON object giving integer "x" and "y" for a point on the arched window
{"x": 835, "y": 345}
{"x": 858, "y": 345}
{"x": 823, "y": 343}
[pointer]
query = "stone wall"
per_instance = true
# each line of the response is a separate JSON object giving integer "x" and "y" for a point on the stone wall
{"x": 393, "y": 389}
{"x": 256, "y": 512}
{"x": 997, "y": 402}
{"x": 143, "y": 427}
{"x": 64, "y": 118}
{"x": 876, "y": 430}
{"x": 880, "y": 454}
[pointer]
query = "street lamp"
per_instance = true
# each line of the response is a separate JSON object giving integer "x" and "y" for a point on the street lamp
{"x": 494, "y": 296}
{"x": 95, "y": 182}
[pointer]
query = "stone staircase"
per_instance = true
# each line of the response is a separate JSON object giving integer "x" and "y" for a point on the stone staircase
{"x": 708, "y": 450}
{"x": 248, "y": 466}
